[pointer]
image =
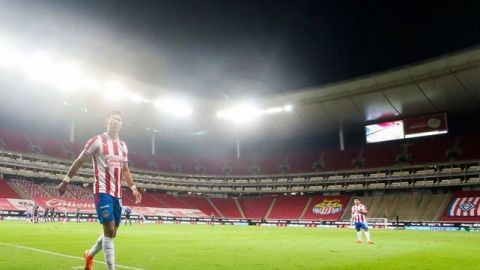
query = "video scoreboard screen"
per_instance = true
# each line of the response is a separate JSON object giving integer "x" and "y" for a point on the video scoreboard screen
{"x": 407, "y": 128}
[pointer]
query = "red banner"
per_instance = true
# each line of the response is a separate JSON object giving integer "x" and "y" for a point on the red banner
{"x": 425, "y": 124}
{"x": 87, "y": 206}
{"x": 15, "y": 204}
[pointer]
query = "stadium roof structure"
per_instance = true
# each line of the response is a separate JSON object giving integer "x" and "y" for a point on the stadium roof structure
{"x": 449, "y": 84}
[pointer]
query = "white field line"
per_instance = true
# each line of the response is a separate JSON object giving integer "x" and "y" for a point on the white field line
{"x": 66, "y": 256}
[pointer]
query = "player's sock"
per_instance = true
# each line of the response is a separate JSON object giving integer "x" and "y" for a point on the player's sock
{"x": 359, "y": 236}
{"x": 367, "y": 234}
{"x": 96, "y": 247}
{"x": 109, "y": 250}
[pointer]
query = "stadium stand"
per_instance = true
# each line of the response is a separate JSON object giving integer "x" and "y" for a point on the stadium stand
{"x": 30, "y": 188}
{"x": 288, "y": 207}
{"x": 256, "y": 207}
{"x": 202, "y": 204}
{"x": 464, "y": 206}
{"x": 331, "y": 207}
{"x": 15, "y": 141}
{"x": 47, "y": 145}
{"x": 407, "y": 206}
{"x": 6, "y": 191}
{"x": 227, "y": 207}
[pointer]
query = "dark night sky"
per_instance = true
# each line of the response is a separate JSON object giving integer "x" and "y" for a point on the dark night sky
{"x": 218, "y": 48}
{"x": 282, "y": 46}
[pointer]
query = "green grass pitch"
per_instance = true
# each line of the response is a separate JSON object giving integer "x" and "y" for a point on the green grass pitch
{"x": 156, "y": 246}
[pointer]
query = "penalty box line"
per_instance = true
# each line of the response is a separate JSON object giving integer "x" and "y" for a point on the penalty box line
{"x": 65, "y": 255}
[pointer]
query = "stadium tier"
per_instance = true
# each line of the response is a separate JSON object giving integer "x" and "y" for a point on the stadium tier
{"x": 255, "y": 189}
{"x": 418, "y": 151}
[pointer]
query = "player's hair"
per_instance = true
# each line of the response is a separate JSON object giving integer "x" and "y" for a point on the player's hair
{"x": 115, "y": 113}
{"x": 357, "y": 198}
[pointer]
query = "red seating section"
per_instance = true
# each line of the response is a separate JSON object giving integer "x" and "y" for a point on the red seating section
{"x": 331, "y": 213}
{"x": 288, "y": 207}
{"x": 170, "y": 201}
{"x": 48, "y": 146}
{"x": 255, "y": 208}
{"x": 201, "y": 204}
{"x": 15, "y": 141}
{"x": 6, "y": 191}
{"x": 463, "y": 194}
{"x": 227, "y": 207}
{"x": 30, "y": 188}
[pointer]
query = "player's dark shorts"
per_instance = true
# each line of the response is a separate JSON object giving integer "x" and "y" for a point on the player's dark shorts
{"x": 127, "y": 216}
{"x": 109, "y": 208}
{"x": 361, "y": 225}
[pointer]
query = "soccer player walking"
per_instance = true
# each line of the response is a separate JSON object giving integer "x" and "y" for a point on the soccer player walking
{"x": 358, "y": 216}
{"x": 110, "y": 166}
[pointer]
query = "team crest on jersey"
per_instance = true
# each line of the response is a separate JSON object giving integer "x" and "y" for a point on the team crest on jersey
{"x": 328, "y": 207}
{"x": 105, "y": 214}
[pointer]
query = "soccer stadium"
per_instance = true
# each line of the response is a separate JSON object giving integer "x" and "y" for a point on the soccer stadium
{"x": 376, "y": 169}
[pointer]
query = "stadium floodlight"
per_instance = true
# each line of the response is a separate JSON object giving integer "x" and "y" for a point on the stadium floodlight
{"x": 288, "y": 108}
{"x": 273, "y": 110}
{"x": 136, "y": 98}
{"x": 9, "y": 55}
{"x": 174, "y": 107}
{"x": 114, "y": 91}
{"x": 241, "y": 114}
{"x": 39, "y": 67}
{"x": 69, "y": 76}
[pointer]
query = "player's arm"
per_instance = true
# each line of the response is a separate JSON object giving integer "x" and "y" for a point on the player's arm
{"x": 77, "y": 164}
{"x": 363, "y": 210}
{"x": 128, "y": 178}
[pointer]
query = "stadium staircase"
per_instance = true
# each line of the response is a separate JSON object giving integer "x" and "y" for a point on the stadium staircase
{"x": 215, "y": 207}
{"x": 239, "y": 207}
{"x": 256, "y": 208}
{"x": 307, "y": 206}
{"x": 443, "y": 206}
{"x": 270, "y": 208}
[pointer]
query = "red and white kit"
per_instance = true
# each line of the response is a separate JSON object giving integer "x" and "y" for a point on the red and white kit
{"x": 357, "y": 213}
{"x": 108, "y": 156}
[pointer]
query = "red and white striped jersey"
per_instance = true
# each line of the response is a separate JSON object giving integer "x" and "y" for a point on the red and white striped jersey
{"x": 356, "y": 213}
{"x": 108, "y": 157}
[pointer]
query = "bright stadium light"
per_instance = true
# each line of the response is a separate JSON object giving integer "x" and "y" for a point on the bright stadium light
{"x": 241, "y": 114}
{"x": 136, "y": 98}
{"x": 10, "y": 57}
{"x": 69, "y": 76}
{"x": 39, "y": 67}
{"x": 114, "y": 91}
{"x": 288, "y": 108}
{"x": 174, "y": 107}
{"x": 273, "y": 110}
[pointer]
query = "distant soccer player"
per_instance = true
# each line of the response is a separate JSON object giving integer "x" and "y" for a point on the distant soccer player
{"x": 212, "y": 219}
{"x": 358, "y": 216}
{"x": 77, "y": 215}
{"x": 128, "y": 212}
{"x": 110, "y": 165}
{"x": 35, "y": 213}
